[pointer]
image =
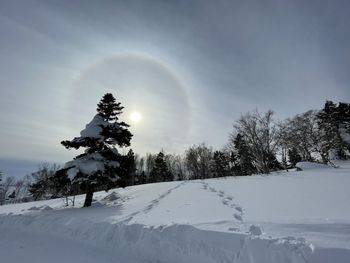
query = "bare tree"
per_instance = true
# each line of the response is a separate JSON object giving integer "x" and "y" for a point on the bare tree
{"x": 42, "y": 185}
{"x": 149, "y": 163}
{"x": 198, "y": 159}
{"x": 301, "y": 132}
{"x": 176, "y": 166}
{"x": 262, "y": 135}
{"x": 8, "y": 183}
{"x": 305, "y": 135}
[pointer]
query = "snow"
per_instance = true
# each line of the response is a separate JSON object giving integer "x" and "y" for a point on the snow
{"x": 88, "y": 165}
{"x": 91, "y": 163}
{"x": 299, "y": 216}
{"x": 94, "y": 128}
{"x": 344, "y": 133}
{"x": 311, "y": 165}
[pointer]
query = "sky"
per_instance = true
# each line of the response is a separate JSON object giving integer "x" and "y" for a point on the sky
{"x": 189, "y": 67}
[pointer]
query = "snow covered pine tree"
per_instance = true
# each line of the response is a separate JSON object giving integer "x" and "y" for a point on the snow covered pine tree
{"x": 99, "y": 165}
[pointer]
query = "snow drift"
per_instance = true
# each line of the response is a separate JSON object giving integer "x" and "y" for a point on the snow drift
{"x": 170, "y": 244}
{"x": 311, "y": 165}
{"x": 242, "y": 219}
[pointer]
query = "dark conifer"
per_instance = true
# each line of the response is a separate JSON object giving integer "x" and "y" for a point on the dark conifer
{"x": 244, "y": 160}
{"x": 220, "y": 164}
{"x": 160, "y": 171}
{"x": 128, "y": 167}
{"x": 293, "y": 156}
{"x": 99, "y": 166}
{"x": 331, "y": 118}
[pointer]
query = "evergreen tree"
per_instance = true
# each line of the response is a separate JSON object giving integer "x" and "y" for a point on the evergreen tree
{"x": 243, "y": 158}
{"x": 329, "y": 119}
{"x": 108, "y": 108}
{"x": 100, "y": 164}
{"x": 293, "y": 156}
{"x": 234, "y": 164}
{"x": 160, "y": 171}
{"x": 272, "y": 161}
{"x": 343, "y": 113}
{"x": 128, "y": 167}
{"x": 220, "y": 165}
{"x": 142, "y": 178}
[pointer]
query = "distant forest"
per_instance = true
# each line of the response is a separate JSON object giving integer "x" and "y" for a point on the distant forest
{"x": 257, "y": 144}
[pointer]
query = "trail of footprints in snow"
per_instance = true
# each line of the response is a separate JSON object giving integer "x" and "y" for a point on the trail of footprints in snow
{"x": 152, "y": 204}
{"x": 227, "y": 200}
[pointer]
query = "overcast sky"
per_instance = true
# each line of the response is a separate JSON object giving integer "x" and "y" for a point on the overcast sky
{"x": 189, "y": 67}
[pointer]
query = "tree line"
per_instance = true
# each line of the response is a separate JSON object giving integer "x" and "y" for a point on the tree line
{"x": 257, "y": 144}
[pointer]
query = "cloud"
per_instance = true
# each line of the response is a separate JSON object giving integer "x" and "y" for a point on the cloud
{"x": 229, "y": 56}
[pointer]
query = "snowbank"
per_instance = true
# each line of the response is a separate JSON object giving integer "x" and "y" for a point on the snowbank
{"x": 311, "y": 165}
{"x": 173, "y": 244}
{"x": 233, "y": 219}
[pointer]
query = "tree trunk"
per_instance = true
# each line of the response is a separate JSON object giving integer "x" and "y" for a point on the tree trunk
{"x": 89, "y": 195}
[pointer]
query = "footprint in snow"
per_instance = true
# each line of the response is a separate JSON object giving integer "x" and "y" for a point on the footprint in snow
{"x": 225, "y": 202}
{"x": 149, "y": 207}
{"x": 238, "y": 217}
{"x": 239, "y": 209}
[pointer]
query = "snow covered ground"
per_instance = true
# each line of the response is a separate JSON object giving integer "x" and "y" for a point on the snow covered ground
{"x": 298, "y": 216}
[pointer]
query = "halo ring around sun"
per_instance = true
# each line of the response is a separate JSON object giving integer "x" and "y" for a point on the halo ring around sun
{"x": 142, "y": 84}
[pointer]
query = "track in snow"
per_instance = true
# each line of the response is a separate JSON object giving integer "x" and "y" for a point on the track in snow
{"x": 226, "y": 200}
{"x": 151, "y": 204}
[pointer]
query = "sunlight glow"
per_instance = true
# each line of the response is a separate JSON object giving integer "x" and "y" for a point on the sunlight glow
{"x": 135, "y": 117}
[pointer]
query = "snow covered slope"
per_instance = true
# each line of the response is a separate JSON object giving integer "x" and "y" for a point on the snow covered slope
{"x": 284, "y": 217}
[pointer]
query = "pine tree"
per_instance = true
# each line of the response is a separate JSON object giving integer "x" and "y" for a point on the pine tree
{"x": 99, "y": 166}
{"x": 220, "y": 164}
{"x": 329, "y": 120}
{"x": 108, "y": 108}
{"x": 293, "y": 156}
{"x": 160, "y": 171}
{"x": 129, "y": 168}
{"x": 343, "y": 113}
{"x": 272, "y": 161}
{"x": 234, "y": 164}
{"x": 142, "y": 178}
{"x": 244, "y": 161}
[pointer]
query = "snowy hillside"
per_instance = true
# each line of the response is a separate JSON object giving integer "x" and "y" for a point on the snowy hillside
{"x": 299, "y": 216}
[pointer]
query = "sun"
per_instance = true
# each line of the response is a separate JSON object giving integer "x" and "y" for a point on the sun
{"x": 135, "y": 117}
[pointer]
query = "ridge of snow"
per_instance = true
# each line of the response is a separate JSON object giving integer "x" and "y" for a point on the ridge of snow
{"x": 167, "y": 244}
{"x": 311, "y": 165}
